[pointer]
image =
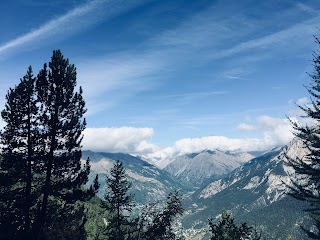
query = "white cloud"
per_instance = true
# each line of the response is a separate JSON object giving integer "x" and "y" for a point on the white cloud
{"x": 303, "y": 101}
{"x": 306, "y": 8}
{"x": 107, "y": 80}
{"x": 278, "y": 38}
{"x": 207, "y": 31}
{"x": 191, "y": 145}
{"x": 246, "y": 127}
{"x": 277, "y": 130}
{"x": 137, "y": 141}
{"x": 110, "y": 73}
{"x": 123, "y": 139}
{"x": 73, "y": 21}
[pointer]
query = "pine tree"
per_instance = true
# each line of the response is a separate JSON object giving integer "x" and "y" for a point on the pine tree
{"x": 62, "y": 124}
{"x": 20, "y": 146}
{"x": 306, "y": 185}
{"x": 226, "y": 229}
{"x": 118, "y": 202}
{"x": 41, "y": 176}
{"x": 162, "y": 221}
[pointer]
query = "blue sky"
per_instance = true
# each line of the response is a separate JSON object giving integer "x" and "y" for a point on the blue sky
{"x": 168, "y": 77}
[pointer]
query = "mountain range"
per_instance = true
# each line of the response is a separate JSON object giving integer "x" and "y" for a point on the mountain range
{"x": 255, "y": 193}
{"x": 253, "y": 189}
{"x": 198, "y": 169}
{"x": 149, "y": 183}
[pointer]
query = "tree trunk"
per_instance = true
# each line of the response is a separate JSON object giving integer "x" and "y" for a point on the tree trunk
{"x": 28, "y": 181}
{"x": 47, "y": 184}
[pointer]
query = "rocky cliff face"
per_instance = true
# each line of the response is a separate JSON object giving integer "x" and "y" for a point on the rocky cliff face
{"x": 255, "y": 193}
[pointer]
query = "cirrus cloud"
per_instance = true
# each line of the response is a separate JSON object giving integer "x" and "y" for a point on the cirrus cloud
{"x": 75, "y": 20}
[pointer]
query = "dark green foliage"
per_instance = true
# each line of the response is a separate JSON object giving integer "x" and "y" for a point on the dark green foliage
{"x": 307, "y": 185}
{"x": 95, "y": 224}
{"x": 160, "y": 226}
{"x": 19, "y": 177}
{"x": 41, "y": 177}
{"x": 118, "y": 202}
{"x": 153, "y": 223}
{"x": 226, "y": 229}
{"x": 69, "y": 221}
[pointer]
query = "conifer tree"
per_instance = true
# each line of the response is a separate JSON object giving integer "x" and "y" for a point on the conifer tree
{"x": 41, "y": 176}
{"x": 162, "y": 221}
{"x": 226, "y": 229}
{"x": 20, "y": 146}
{"x": 306, "y": 184}
{"x": 118, "y": 202}
{"x": 62, "y": 123}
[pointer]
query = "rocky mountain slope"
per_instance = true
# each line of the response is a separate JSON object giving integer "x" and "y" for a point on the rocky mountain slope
{"x": 198, "y": 169}
{"x": 254, "y": 193}
{"x": 148, "y": 182}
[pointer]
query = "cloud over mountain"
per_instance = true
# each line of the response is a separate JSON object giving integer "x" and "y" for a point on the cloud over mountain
{"x": 123, "y": 139}
{"x": 138, "y": 141}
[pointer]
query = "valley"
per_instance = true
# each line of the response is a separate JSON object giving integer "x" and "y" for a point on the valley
{"x": 253, "y": 188}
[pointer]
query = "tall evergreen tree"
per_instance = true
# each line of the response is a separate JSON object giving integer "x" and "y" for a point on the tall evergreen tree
{"x": 306, "y": 184}
{"x": 62, "y": 123}
{"x": 118, "y": 202}
{"x": 20, "y": 144}
{"x": 41, "y": 176}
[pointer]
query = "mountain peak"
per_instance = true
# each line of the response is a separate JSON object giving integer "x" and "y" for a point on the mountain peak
{"x": 199, "y": 168}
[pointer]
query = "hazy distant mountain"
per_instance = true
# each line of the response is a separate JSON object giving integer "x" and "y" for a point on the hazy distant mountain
{"x": 254, "y": 193}
{"x": 148, "y": 182}
{"x": 199, "y": 168}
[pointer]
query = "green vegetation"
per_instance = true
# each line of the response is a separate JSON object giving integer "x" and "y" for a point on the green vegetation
{"x": 118, "y": 203}
{"x": 160, "y": 226}
{"x": 95, "y": 223}
{"x": 41, "y": 177}
{"x": 307, "y": 185}
{"x": 42, "y": 182}
{"x": 226, "y": 229}
{"x": 154, "y": 222}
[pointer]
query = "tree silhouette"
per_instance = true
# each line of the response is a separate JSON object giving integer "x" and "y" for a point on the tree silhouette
{"x": 306, "y": 184}
{"x": 41, "y": 175}
{"x": 20, "y": 141}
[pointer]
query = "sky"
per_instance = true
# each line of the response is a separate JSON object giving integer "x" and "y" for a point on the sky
{"x": 163, "y": 78}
